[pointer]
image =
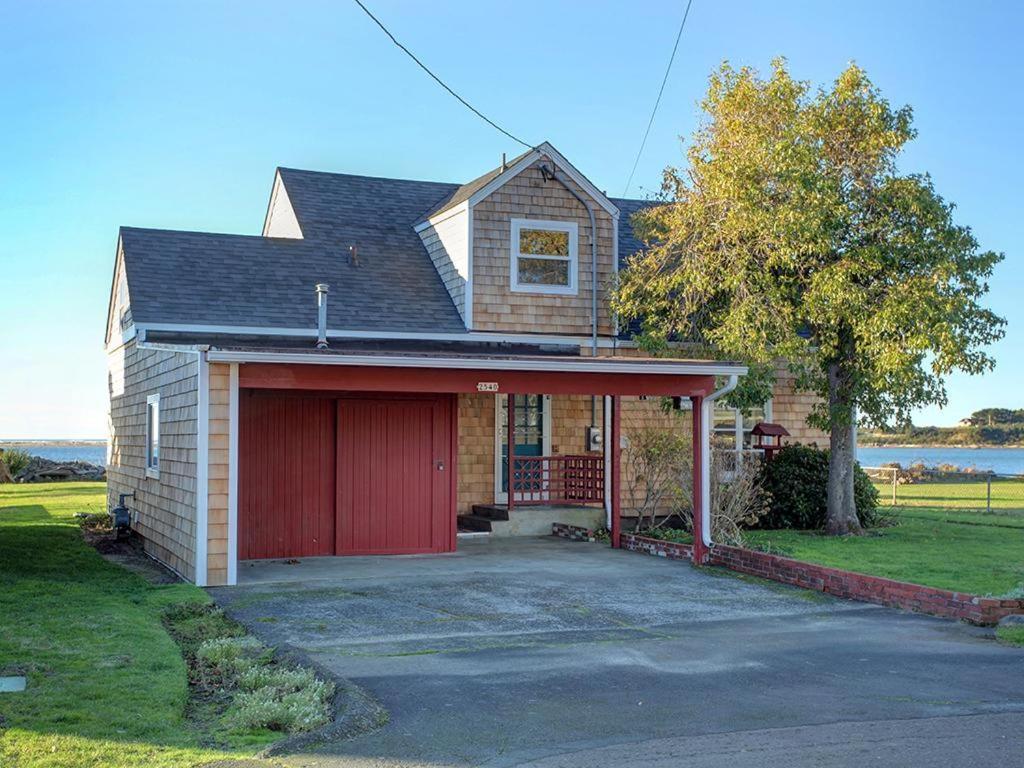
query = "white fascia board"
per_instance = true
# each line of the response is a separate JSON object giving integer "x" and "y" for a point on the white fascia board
{"x": 435, "y": 220}
{"x": 583, "y": 365}
{"x": 546, "y": 150}
{"x": 467, "y": 295}
{"x": 249, "y": 330}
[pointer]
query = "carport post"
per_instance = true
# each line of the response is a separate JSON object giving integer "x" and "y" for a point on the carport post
{"x": 616, "y": 478}
{"x": 700, "y": 550}
{"x": 511, "y": 449}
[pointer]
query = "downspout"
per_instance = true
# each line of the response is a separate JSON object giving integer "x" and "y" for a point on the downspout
{"x": 552, "y": 173}
{"x": 708, "y": 406}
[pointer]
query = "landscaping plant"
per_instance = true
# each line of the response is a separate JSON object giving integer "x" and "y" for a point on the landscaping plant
{"x": 796, "y": 480}
{"x": 793, "y": 235}
{"x": 655, "y": 463}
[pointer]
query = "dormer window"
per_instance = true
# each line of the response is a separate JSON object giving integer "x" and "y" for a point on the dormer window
{"x": 544, "y": 256}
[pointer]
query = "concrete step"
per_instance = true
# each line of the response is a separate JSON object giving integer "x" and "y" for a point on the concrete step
{"x": 474, "y": 523}
{"x": 491, "y": 511}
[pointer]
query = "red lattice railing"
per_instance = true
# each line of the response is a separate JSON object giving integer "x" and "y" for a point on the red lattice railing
{"x": 557, "y": 480}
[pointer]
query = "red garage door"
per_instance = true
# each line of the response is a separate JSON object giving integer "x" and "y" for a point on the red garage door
{"x": 362, "y": 475}
{"x": 395, "y": 479}
{"x": 286, "y": 476}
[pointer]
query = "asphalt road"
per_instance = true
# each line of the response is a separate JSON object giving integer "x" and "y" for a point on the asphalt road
{"x": 549, "y": 653}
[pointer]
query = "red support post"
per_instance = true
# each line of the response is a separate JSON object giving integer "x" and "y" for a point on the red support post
{"x": 511, "y": 449}
{"x": 700, "y": 550}
{"x": 616, "y": 478}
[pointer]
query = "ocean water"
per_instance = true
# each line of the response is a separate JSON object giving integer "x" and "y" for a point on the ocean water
{"x": 94, "y": 454}
{"x": 1002, "y": 461}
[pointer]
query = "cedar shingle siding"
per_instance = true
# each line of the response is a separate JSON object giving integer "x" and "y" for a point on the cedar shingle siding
{"x": 165, "y": 505}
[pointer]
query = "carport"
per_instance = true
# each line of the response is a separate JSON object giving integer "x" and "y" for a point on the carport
{"x": 355, "y": 453}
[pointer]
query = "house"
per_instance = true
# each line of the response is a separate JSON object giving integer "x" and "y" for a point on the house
{"x": 339, "y": 384}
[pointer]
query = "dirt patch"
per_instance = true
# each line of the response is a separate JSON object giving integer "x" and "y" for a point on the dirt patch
{"x": 126, "y": 550}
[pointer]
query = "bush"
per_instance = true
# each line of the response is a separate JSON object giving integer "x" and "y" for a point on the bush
{"x": 283, "y": 679}
{"x": 797, "y": 482}
{"x": 228, "y": 656}
{"x": 15, "y": 459}
{"x": 300, "y": 710}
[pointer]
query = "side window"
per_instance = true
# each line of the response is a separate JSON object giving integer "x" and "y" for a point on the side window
{"x": 153, "y": 436}
{"x": 731, "y": 429}
{"x": 544, "y": 256}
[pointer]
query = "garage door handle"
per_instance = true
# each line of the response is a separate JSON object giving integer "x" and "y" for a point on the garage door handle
{"x": 440, "y": 466}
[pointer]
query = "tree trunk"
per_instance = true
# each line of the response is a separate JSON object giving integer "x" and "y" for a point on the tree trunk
{"x": 842, "y": 509}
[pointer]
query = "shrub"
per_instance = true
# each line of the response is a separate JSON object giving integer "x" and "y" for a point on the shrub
{"x": 655, "y": 462}
{"x": 15, "y": 459}
{"x": 300, "y": 710}
{"x": 228, "y": 656}
{"x": 283, "y": 679}
{"x": 738, "y": 497}
{"x": 797, "y": 482}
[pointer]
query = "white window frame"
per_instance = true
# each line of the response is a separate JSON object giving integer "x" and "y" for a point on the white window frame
{"x": 572, "y": 228}
{"x": 737, "y": 429}
{"x": 152, "y": 406}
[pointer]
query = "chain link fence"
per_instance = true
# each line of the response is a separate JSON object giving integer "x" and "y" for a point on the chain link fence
{"x": 941, "y": 489}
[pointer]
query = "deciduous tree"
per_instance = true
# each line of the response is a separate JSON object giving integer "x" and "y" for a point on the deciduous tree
{"x": 793, "y": 235}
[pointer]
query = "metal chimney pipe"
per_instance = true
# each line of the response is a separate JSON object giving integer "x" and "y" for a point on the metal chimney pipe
{"x": 321, "y": 315}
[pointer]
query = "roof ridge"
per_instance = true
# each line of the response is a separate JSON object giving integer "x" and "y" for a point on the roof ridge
{"x": 166, "y": 230}
{"x": 364, "y": 176}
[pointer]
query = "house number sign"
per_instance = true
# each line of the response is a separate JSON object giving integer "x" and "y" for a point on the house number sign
{"x": 487, "y": 386}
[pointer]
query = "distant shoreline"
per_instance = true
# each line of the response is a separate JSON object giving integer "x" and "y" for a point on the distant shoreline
{"x": 971, "y": 446}
{"x": 71, "y": 443}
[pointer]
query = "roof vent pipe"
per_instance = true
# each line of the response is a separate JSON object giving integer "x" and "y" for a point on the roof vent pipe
{"x": 321, "y": 315}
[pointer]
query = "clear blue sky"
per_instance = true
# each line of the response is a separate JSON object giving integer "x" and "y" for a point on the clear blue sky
{"x": 176, "y": 116}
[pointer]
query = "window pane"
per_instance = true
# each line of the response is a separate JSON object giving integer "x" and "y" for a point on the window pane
{"x": 543, "y": 271}
{"x": 752, "y": 419}
{"x": 543, "y": 242}
{"x": 153, "y": 428}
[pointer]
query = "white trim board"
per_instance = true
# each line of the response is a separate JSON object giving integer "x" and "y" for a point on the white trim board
{"x": 569, "y": 365}
{"x": 232, "y": 576}
{"x": 202, "y": 471}
{"x": 545, "y": 150}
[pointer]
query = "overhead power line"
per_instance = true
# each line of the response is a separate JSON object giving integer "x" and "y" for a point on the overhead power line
{"x": 441, "y": 82}
{"x": 657, "y": 101}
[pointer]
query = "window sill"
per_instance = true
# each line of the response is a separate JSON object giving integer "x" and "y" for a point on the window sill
{"x": 152, "y": 474}
{"x": 550, "y": 290}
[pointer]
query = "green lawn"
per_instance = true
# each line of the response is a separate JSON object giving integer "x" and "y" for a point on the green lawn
{"x": 106, "y": 684}
{"x": 964, "y": 493}
{"x": 965, "y": 551}
{"x": 1011, "y": 635}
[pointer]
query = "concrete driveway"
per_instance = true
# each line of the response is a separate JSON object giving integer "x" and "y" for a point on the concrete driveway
{"x": 555, "y": 653}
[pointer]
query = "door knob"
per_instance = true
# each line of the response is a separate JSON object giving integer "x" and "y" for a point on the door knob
{"x": 440, "y": 466}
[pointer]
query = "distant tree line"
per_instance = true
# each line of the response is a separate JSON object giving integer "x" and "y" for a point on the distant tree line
{"x": 989, "y": 426}
{"x": 991, "y": 417}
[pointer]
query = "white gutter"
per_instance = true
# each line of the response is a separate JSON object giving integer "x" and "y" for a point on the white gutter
{"x": 580, "y": 365}
{"x": 707, "y": 409}
{"x": 255, "y": 330}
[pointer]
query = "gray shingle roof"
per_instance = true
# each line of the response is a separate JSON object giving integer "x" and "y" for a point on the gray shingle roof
{"x": 201, "y": 278}
{"x": 466, "y": 191}
{"x": 204, "y": 278}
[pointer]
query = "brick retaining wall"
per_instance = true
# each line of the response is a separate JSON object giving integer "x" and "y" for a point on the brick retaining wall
{"x": 673, "y": 550}
{"x": 833, "y": 581}
{"x": 572, "y": 532}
